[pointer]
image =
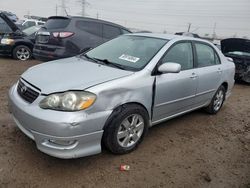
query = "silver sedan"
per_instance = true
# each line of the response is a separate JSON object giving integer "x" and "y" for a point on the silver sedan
{"x": 112, "y": 94}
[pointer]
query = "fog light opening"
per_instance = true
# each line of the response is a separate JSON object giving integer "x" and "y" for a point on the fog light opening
{"x": 63, "y": 142}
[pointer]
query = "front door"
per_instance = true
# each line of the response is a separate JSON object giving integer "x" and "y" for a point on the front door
{"x": 175, "y": 92}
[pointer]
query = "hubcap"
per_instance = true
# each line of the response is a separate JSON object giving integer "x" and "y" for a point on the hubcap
{"x": 23, "y": 54}
{"x": 218, "y": 100}
{"x": 130, "y": 130}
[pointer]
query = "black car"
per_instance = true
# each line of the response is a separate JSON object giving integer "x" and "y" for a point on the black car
{"x": 239, "y": 50}
{"x": 13, "y": 41}
{"x": 63, "y": 37}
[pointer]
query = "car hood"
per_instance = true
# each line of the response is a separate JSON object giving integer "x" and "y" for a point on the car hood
{"x": 70, "y": 74}
{"x": 10, "y": 23}
{"x": 235, "y": 44}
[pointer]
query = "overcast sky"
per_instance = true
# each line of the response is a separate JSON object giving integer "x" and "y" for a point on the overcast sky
{"x": 227, "y": 17}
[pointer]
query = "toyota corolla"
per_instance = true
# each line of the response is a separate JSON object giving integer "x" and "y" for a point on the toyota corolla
{"x": 110, "y": 96}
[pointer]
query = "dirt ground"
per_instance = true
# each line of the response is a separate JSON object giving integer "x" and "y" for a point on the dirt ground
{"x": 195, "y": 150}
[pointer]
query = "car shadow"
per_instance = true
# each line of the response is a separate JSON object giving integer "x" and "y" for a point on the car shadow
{"x": 240, "y": 82}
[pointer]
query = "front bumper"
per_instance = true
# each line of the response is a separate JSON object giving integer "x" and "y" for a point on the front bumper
{"x": 59, "y": 134}
{"x": 5, "y": 49}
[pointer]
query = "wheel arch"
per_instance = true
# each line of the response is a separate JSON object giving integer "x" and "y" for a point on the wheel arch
{"x": 225, "y": 85}
{"x": 29, "y": 45}
{"x": 117, "y": 109}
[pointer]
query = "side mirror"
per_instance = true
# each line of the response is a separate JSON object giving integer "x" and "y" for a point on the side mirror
{"x": 169, "y": 68}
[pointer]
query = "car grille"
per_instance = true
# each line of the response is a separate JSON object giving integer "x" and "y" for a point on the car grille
{"x": 26, "y": 92}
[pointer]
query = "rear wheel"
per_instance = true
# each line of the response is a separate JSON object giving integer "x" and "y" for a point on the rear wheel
{"x": 217, "y": 101}
{"x": 125, "y": 129}
{"x": 22, "y": 53}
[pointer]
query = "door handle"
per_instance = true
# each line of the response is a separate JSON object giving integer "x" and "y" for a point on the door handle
{"x": 219, "y": 71}
{"x": 194, "y": 76}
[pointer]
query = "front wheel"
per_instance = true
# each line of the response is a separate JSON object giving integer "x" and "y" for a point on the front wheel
{"x": 217, "y": 101}
{"x": 125, "y": 129}
{"x": 22, "y": 53}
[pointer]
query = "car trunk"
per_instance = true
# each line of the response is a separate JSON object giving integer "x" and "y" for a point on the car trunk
{"x": 46, "y": 34}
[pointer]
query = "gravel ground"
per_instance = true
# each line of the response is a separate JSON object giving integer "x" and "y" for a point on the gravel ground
{"x": 194, "y": 150}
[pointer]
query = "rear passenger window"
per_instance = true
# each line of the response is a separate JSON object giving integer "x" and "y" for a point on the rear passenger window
{"x": 90, "y": 27}
{"x": 110, "y": 32}
{"x": 4, "y": 28}
{"x": 206, "y": 55}
{"x": 180, "y": 53}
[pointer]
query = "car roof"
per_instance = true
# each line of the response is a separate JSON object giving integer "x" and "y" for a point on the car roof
{"x": 168, "y": 36}
{"x": 90, "y": 19}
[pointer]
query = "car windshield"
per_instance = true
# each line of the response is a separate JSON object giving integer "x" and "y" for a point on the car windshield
{"x": 130, "y": 51}
{"x": 31, "y": 30}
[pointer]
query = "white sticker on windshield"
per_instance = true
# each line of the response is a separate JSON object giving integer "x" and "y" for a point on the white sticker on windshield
{"x": 129, "y": 58}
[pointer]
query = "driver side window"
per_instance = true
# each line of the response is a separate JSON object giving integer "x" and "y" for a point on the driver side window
{"x": 182, "y": 54}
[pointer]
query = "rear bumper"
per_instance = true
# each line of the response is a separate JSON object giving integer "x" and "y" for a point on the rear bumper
{"x": 49, "y": 52}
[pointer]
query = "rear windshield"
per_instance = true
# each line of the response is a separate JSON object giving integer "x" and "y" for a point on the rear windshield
{"x": 57, "y": 23}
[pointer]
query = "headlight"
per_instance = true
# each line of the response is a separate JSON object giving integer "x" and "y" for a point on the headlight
{"x": 68, "y": 101}
{"x": 7, "y": 41}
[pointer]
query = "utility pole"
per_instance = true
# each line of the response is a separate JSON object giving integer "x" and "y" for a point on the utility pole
{"x": 56, "y": 9}
{"x": 63, "y": 7}
{"x": 97, "y": 15}
{"x": 189, "y": 26}
{"x": 214, "y": 33}
{"x": 83, "y": 5}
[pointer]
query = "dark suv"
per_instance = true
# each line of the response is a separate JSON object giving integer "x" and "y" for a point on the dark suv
{"x": 62, "y": 37}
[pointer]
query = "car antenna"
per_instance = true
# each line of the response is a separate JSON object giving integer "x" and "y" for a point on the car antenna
{"x": 66, "y": 12}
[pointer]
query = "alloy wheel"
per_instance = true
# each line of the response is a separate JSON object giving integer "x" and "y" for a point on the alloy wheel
{"x": 219, "y": 97}
{"x": 23, "y": 54}
{"x": 130, "y": 130}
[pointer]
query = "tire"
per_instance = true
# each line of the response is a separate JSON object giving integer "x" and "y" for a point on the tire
{"x": 217, "y": 101}
{"x": 22, "y": 53}
{"x": 120, "y": 134}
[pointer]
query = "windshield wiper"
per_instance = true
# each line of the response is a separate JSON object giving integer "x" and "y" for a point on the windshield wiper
{"x": 107, "y": 62}
{"x": 90, "y": 58}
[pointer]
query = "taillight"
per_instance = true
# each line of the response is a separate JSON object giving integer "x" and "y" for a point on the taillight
{"x": 62, "y": 34}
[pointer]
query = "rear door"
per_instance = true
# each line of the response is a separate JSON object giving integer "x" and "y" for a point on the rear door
{"x": 209, "y": 70}
{"x": 175, "y": 92}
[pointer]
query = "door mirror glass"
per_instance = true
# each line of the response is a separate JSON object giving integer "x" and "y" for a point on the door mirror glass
{"x": 169, "y": 67}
